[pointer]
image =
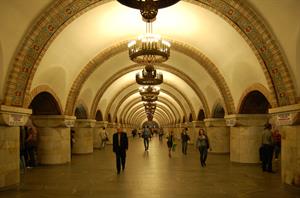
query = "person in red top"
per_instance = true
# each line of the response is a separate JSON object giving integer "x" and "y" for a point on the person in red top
{"x": 277, "y": 143}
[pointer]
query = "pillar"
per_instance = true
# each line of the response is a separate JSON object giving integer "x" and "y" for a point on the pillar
{"x": 84, "y": 132}
{"x": 218, "y": 135}
{"x": 11, "y": 118}
{"x": 53, "y": 138}
{"x": 288, "y": 121}
{"x": 190, "y": 127}
{"x": 245, "y": 136}
{"x": 111, "y": 129}
{"x": 97, "y": 133}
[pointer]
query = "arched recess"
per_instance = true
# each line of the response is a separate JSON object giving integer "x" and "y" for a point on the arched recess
{"x": 109, "y": 118}
{"x": 44, "y": 104}
{"x": 183, "y": 119}
{"x": 60, "y": 13}
{"x": 81, "y": 112}
{"x": 254, "y": 103}
{"x": 201, "y": 115}
{"x": 40, "y": 89}
{"x": 99, "y": 116}
{"x": 190, "y": 118}
{"x": 218, "y": 111}
{"x": 255, "y": 87}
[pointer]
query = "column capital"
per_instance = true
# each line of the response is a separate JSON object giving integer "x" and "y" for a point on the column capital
{"x": 198, "y": 123}
{"x": 287, "y": 115}
{"x": 53, "y": 121}
{"x": 215, "y": 122}
{"x": 246, "y": 119}
{"x": 85, "y": 123}
{"x": 100, "y": 124}
{"x": 14, "y": 116}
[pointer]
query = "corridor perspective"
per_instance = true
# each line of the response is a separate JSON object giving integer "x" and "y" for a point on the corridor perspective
{"x": 73, "y": 72}
{"x": 151, "y": 174}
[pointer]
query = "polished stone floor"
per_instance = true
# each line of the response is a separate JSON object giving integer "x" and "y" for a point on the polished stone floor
{"x": 151, "y": 174}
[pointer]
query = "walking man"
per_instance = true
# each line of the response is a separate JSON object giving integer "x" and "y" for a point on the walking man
{"x": 120, "y": 146}
{"x": 146, "y": 135}
{"x": 184, "y": 140}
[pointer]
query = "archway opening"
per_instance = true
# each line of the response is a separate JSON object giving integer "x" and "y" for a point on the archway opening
{"x": 201, "y": 115}
{"x": 99, "y": 116}
{"x": 44, "y": 104}
{"x": 80, "y": 112}
{"x": 254, "y": 103}
{"x": 218, "y": 111}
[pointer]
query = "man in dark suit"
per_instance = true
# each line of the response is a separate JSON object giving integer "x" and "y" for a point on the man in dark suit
{"x": 120, "y": 146}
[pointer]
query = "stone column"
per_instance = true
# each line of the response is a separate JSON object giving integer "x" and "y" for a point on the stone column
{"x": 195, "y": 129}
{"x": 111, "y": 129}
{"x": 11, "y": 118}
{"x": 53, "y": 138}
{"x": 84, "y": 132}
{"x": 245, "y": 136}
{"x": 190, "y": 127}
{"x": 218, "y": 135}
{"x": 97, "y": 133}
{"x": 288, "y": 121}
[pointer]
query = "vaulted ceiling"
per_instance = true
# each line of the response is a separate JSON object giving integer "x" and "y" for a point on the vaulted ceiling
{"x": 220, "y": 51}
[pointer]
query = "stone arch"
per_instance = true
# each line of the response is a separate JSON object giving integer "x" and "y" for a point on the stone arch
{"x": 168, "y": 93}
{"x": 255, "y": 87}
{"x": 173, "y": 110}
{"x": 81, "y": 112}
{"x": 98, "y": 116}
{"x": 254, "y": 103}
{"x": 113, "y": 78}
{"x": 201, "y": 115}
{"x": 44, "y": 104}
{"x": 43, "y": 88}
{"x": 61, "y": 13}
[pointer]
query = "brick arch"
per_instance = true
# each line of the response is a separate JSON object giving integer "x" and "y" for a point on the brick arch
{"x": 61, "y": 13}
{"x": 255, "y": 87}
{"x": 39, "y": 89}
{"x": 133, "y": 102}
{"x": 120, "y": 73}
{"x": 135, "y": 91}
{"x": 181, "y": 47}
{"x": 165, "y": 101}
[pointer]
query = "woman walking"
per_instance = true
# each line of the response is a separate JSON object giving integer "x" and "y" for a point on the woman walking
{"x": 202, "y": 145}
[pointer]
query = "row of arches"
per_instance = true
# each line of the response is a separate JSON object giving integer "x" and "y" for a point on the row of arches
{"x": 45, "y": 104}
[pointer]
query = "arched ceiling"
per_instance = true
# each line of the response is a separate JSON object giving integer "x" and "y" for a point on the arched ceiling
{"x": 210, "y": 58}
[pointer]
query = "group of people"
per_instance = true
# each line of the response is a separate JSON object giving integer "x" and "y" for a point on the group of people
{"x": 202, "y": 144}
{"x": 120, "y": 145}
{"x": 271, "y": 144}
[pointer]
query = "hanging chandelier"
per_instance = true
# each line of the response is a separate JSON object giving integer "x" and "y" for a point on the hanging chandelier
{"x": 149, "y": 91}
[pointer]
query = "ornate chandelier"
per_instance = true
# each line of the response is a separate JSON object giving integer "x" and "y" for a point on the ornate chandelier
{"x": 149, "y": 91}
{"x": 149, "y": 49}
